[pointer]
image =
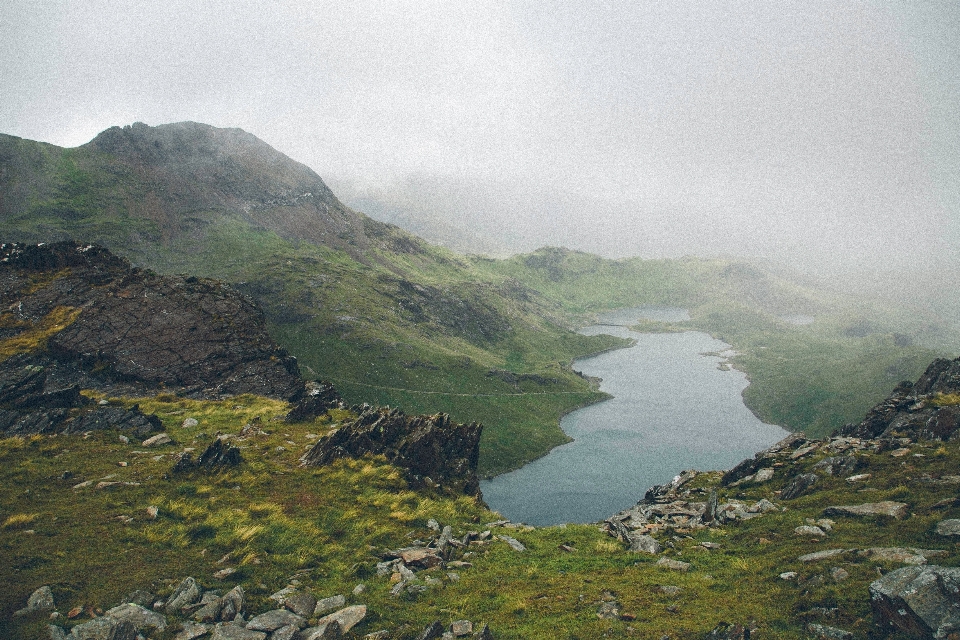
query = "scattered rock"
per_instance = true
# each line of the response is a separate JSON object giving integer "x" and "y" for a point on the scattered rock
{"x": 948, "y": 528}
{"x": 918, "y": 601}
{"x": 217, "y": 455}
{"x": 329, "y": 604}
{"x": 427, "y": 447}
{"x": 39, "y": 600}
{"x": 141, "y": 618}
{"x": 888, "y": 508}
{"x": 906, "y": 555}
{"x": 675, "y": 565}
{"x": 798, "y": 486}
{"x": 788, "y": 575}
{"x": 347, "y": 618}
{"x": 190, "y": 423}
{"x": 461, "y": 628}
{"x": 807, "y": 530}
{"x": 186, "y": 593}
{"x": 301, "y": 603}
{"x": 434, "y": 630}
{"x": 233, "y": 631}
{"x": 824, "y": 632}
{"x": 644, "y": 544}
{"x": 157, "y": 440}
{"x": 274, "y": 619}
{"x": 816, "y": 556}
{"x": 515, "y": 544}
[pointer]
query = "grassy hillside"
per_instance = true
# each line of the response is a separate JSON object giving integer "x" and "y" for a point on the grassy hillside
{"x": 274, "y": 522}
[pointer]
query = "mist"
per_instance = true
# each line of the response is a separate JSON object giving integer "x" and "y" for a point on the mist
{"x": 822, "y": 135}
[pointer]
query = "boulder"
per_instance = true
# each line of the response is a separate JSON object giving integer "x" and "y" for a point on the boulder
{"x": 233, "y": 631}
{"x": 347, "y": 617}
{"x": 918, "y": 601}
{"x": 948, "y": 527}
{"x": 186, "y": 593}
{"x": 39, "y": 600}
{"x": 141, "y": 618}
{"x": 640, "y": 543}
{"x": 301, "y": 603}
{"x": 274, "y": 619}
{"x": 798, "y": 486}
{"x": 897, "y": 510}
{"x": 329, "y": 604}
{"x": 432, "y": 450}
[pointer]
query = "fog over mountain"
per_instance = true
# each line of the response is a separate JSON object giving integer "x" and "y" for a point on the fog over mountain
{"x": 822, "y": 134}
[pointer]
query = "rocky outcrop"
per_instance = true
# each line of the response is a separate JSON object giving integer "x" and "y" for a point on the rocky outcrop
{"x": 433, "y": 450}
{"x": 918, "y": 601}
{"x": 916, "y": 410}
{"x": 90, "y": 320}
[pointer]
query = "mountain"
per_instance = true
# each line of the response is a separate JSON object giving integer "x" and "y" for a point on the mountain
{"x": 392, "y": 320}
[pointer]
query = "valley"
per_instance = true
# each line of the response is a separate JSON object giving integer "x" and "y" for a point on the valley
{"x": 159, "y": 435}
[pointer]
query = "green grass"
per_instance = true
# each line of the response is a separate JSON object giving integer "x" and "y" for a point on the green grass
{"x": 272, "y": 520}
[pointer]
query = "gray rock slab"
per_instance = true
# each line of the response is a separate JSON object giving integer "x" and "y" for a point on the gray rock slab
{"x": 274, "y": 619}
{"x": 347, "y": 617}
{"x": 57, "y": 633}
{"x": 674, "y": 565}
{"x": 231, "y": 631}
{"x": 141, "y": 618}
{"x": 897, "y": 510}
{"x": 808, "y": 530}
{"x": 301, "y": 603}
{"x": 41, "y": 600}
{"x": 824, "y": 632}
{"x": 641, "y": 543}
{"x": 948, "y": 527}
{"x": 186, "y": 593}
{"x": 816, "y": 556}
{"x": 96, "y": 629}
{"x": 918, "y": 601}
{"x": 192, "y": 630}
{"x": 515, "y": 544}
{"x": 285, "y": 633}
{"x": 329, "y": 604}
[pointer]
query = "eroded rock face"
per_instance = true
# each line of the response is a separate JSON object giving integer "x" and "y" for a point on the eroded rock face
{"x": 912, "y": 411}
{"x": 918, "y": 601}
{"x": 432, "y": 449}
{"x": 117, "y": 328}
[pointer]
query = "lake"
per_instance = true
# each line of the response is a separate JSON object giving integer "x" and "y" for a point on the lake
{"x": 674, "y": 408}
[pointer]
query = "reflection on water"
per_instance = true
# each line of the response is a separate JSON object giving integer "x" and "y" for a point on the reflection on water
{"x": 673, "y": 409}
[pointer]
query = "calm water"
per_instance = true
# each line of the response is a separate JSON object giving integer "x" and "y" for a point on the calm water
{"x": 673, "y": 409}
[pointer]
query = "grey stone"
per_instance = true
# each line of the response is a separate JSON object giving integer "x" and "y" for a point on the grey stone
{"x": 609, "y": 610}
{"x": 948, "y": 527}
{"x": 96, "y": 629}
{"x": 274, "y": 619}
{"x": 57, "y": 633}
{"x": 839, "y": 574}
{"x": 138, "y": 616}
{"x": 157, "y": 440}
{"x": 189, "y": 423}
{"x": 484, "y": 633}
{"x": 675, "y": 565}
{"x": 233, "y": 631}
{"x": 285, "y": 633}
{"x": 234, "y": 602}
{"x": 432, "y": 632}
{"x": 515, "y": 544}
{"x": 329, "y": 604}
{"x": 798, "y": 486}
{"x": 918, "y": 601}
{"x": 192, "y": 630}
{"x": 906, "y": 555}
{"x": 644, "y": 544}
{"x": 321, "y": 632}
{"x": 210, "y": 612}
{"x": 460, "y": 628}
{"x": 301, "y": 603}
{"x": 710, "y": 511}
{"x": 124, "y": 630}
{"x": 807, "y": 530}
{"x": 897, "y": 510}
{"x": 186, "y": 593}
{"x": 828, "y": 633}
{"x": 823, "y": 555}
{"x": 141, "y": 597}
{"x": 41, "y": 600}
{"x": 762, "y": 475}
{"x": 347, "y": 618}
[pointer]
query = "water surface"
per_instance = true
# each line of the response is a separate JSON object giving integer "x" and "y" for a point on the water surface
{"x": 673, "y": 409}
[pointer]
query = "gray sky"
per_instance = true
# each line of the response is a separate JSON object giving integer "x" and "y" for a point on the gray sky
{"x": 822, "y": 132}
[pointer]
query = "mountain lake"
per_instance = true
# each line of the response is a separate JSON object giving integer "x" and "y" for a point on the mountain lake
{"x": 675, "y": 406}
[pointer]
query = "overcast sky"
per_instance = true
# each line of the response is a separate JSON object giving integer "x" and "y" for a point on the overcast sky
{"x": 827, "y": 132}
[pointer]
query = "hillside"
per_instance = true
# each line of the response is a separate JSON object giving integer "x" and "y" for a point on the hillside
{"x": 393, "y": 320}
{"x": 247, "y": 515}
